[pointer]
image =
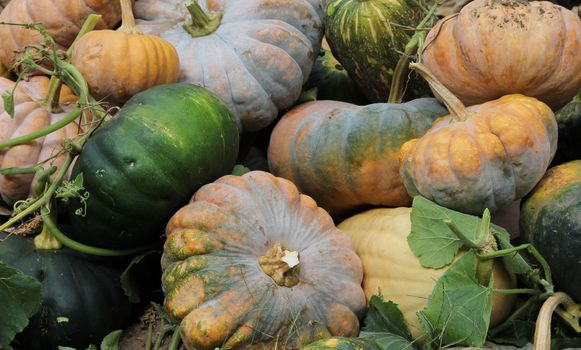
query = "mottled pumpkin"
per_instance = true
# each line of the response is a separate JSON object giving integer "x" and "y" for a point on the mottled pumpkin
{"x": 32, "y": 115}
{"x": 346, "y": 156}
{"x": 492, "y": 48}
{"x": 118, "y": 64}
{"x": 61, "y": 18}
{"x": 252, "y": 263}
{"x": 392, "y": 270}
{"x": 482, "y": 156}
{"x": 254, "y": 54}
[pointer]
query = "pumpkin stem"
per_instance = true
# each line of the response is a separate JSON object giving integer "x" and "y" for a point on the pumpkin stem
{"x": 46, "y": 241}
{"x": 456, "y": 108}
{"x": 542, "y": 339}
{"x": 53, "y": 95}
{"x": 201, "y": 22}
{"x": 127, "y": 19}
{"x": 281, "y": 264}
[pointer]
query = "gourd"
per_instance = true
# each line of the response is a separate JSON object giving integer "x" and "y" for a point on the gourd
{"x": 346, "y": 156}
{"x": 117, "y": 64}
{"x": 82, "y": 299}
{"x": 493, "y": 48}
{"x": 62, "y": 20}
{"x": 252, "y": 263}
{"x": 482, "y": 156}
{"x": 146, "y": 162}
{"x": 254, "y": 54}
{"x": 391, "y": 269}
{"x": 550, "y": 220}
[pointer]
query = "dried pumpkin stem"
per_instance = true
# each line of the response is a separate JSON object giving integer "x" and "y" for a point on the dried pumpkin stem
{"x": 201, "y": 22}
{"x": 276, "y": 264}
{"x": 127, "y": 18}
{"x": 455, "y": 106}
{"x": 542, "y": 338}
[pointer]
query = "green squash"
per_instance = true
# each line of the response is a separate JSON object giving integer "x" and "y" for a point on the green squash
{"x": 343, "y": 343}
{"x": 148, "y": 160}
{"x": 82, "y": 299}
{"x": 569, "y": 121}
{"x": 367, "y": 37}
{"x": 550, "y": 219}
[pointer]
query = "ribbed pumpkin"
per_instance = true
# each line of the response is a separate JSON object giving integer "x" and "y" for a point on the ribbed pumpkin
{"x": 391, "y": 269}
{"x": 117, "y": 64}
{"x": 252, "y": 263}
{"x": 346, "y": 156}
{"x": 482, "y": 156}
{"x": 368, "y": 37}
{"x": 31, "y": 114}
{"x": 551, "y": 220}
{"x": 254, "y": 54}
{"x": 61, "y": 18}
{"x": 497, "y": 47}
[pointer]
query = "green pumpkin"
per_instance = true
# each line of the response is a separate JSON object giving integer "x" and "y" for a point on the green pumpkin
{"x": 148, "y": 160}
{"x": 82, "y": 299}
{"x": 367, "y": 37}
{"x": 550, "y": 219}
{"x": 343, "y": 343}
{"x": 569, "y": 121}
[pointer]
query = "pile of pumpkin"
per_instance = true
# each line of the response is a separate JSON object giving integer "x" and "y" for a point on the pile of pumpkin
{"x": 115, "y": 142}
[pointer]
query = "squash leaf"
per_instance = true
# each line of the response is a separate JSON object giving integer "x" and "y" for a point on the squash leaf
{"x": 8, "y": 99}
{"x": 21, "y": 297}
{"x": 514, "y": 263}
{"x": 131, "y": 276}
{"x": 431, "y": 239}
{"x": 385, "y": 316}
{"x": 111, "y": 340}
{"x": 459, "y": 308}
{"x": 388, "y": 341}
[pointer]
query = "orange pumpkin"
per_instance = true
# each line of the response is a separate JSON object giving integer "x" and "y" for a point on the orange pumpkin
{"x": 492, "y": 48}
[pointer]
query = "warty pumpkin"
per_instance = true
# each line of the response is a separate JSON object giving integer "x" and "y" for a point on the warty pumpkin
{"x": 32, "y": 114}
{"x": 252, "y": 263}
{"x": 117, "y": 64}
{"x": 392, "y": 270}
{"x": 254, "y": 54}
{"x": 492, "y": 48}
{"x": 482, "y": 156}
{"x": 62, "y": 20}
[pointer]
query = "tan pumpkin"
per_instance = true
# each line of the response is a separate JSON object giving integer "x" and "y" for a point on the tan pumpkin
{"x": 392, "y": 270}
{"x": 492, "y": 48}
{"x": 252, "y": 263}
{"x": 482, "y": 156}
{"x": 117, "y": 64}
{"x": 61, "y": 18}
{"x": 31, "y": 115}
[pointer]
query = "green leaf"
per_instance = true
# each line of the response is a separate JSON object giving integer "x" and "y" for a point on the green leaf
{"x": 459, "y": 309}
{"x": 130, "y": 282}
{"x": 385, "y": 316}
{"x": 8, "y": 100}
{"x": 21, "y": 297}
{"x": 519, "y": 333}
{"x": 388, "y": 341}
{"x": 514, "y": 263}
{"x": 239, "y": 170}
{"x": 431, "y": 239}
{"x": 111, "y": 340}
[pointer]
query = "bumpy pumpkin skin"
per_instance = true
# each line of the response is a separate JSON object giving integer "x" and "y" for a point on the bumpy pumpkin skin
{"x": 497, "y": 47}
{"x": 30, "y": 116}
{"x": 551, "y": 220}
{"x": 488, "y": 161}
{"x": 391, "y": 269}
{"x": 346, "y": 156}
{"x": 258, "y": 58}
{"x": 214, "y": 268}
{"x": 61, "y": 18}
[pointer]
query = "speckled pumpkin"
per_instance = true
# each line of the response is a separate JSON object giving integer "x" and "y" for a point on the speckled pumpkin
{"x": 346, "y": 156}
{"x": 497, "y": 47}
{"x": 118, "y": 64}
{"x": 482, "y": 156}
{"x": 32, "y": 115}
{"x": 251, "y": 263}
{"x": 254, "y": 54}
{"x": 61, "y": 18}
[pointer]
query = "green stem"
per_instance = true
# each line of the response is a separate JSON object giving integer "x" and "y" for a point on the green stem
{"x": 175, "y": 339}
{"x": 200, "y": 22}
{"x": 51, "y": 102}
{"x": 16, "y": 171}
{"x": 42, "y": 179}
{"x": 163, "y": 331}
{"x": 89, "y": 24}
{"x": 83, "y": 248}
{"x": 517, "y": 291}
{"x": 467, "y": 241}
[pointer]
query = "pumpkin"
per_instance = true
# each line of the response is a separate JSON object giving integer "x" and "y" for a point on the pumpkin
{"x": 550, "y": 219}
{"x": 569, "y": 122}
{"x": 254, "y": 54}
{"x": 344, "y": 343}
{"x": 252, "y": 263}
{"x": 493, "y": 48}
{"x": 482, "y": 156}
{"x": 368, "y": 37}
{"x": 82, "y": 299}
{"x": 32, "y": 114}
{"x": 117, "y": 64}
{"x": 62, "y": 20}
{"x": 346, "y": 156}
{"x": 392, "y": 270}
{"x": 146, "y": 162}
